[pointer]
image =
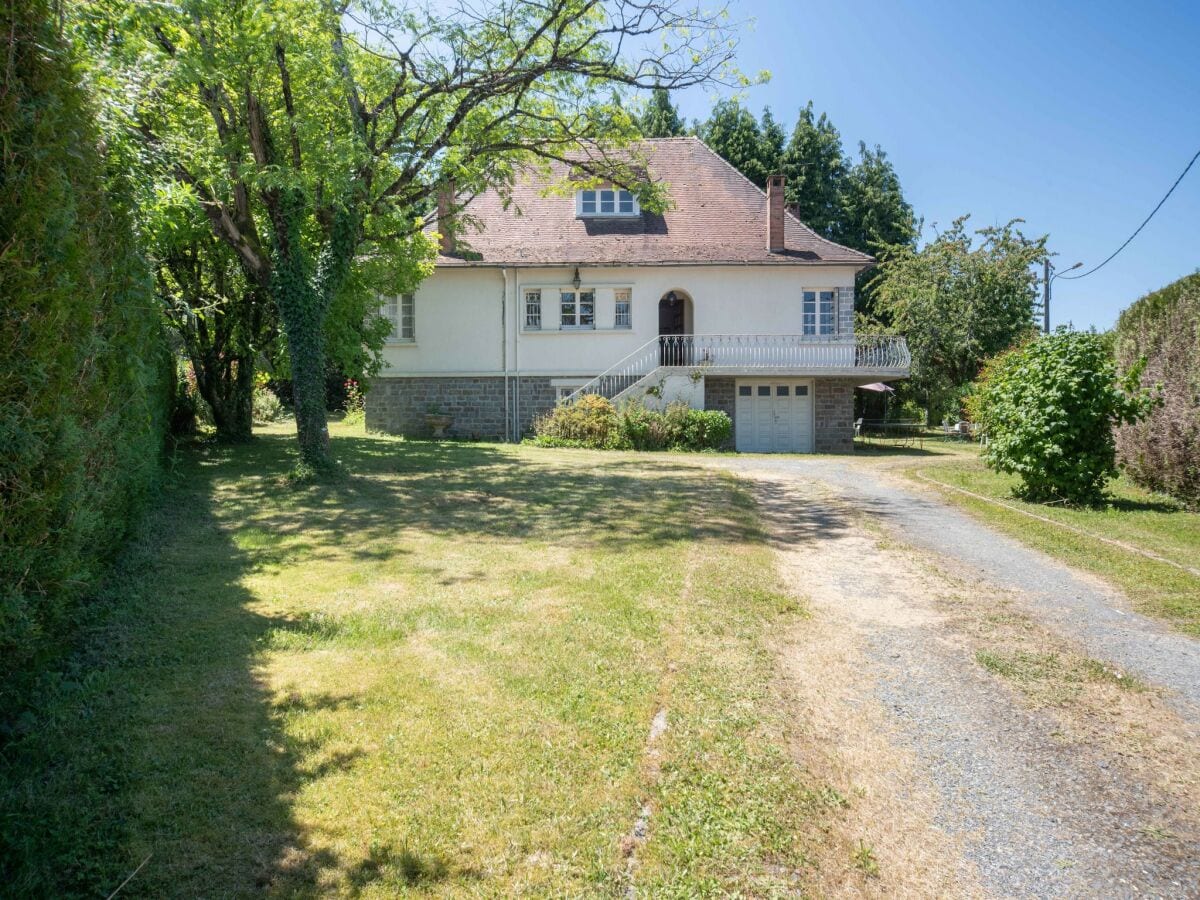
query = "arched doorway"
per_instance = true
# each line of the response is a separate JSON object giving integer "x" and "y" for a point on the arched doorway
{"x": 675, "y": 329}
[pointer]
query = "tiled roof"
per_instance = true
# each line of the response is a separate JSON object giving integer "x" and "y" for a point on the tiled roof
{"x": 719, "y": 216}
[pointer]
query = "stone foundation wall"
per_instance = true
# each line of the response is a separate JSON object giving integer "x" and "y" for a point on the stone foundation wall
{"x": 475, "y": 403}
{"x": 537, "y": 399}
{"x": 720, "y": 394}
{"x": 834, "y": 413}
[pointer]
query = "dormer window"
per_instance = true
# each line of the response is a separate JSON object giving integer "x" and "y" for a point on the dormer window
{"x": 605, "y": 202}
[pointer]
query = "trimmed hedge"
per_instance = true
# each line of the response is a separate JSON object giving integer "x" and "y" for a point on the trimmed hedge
{"x": 594, "y": 422}
{"x": 1163, "y": 451}
{"x": 85, "y": 376}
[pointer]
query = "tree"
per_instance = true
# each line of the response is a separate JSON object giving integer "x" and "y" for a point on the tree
{"x": 773, "y": 140}
{"x": 1049, "y": 408}
{"x": 732, "y": 132}
{"x": 223, "y": 320}
{"x": 660, "y": 118}
{"x": 814, "y": 171}
{"x": 874, "y": 216}
{"x": 313, "y": 135}
{"x": 957, "y": 304}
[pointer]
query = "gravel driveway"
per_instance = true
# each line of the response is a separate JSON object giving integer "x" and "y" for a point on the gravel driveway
{"x": 1035, "y": 814}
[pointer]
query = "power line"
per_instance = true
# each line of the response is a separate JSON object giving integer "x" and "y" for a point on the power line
{"x": 1139, "y": 228}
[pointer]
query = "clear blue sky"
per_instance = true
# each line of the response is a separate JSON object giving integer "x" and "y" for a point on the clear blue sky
{"x": 1073, "y": 116}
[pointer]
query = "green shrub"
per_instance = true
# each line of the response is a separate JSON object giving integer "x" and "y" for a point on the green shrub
{"x": 85, "y": 378}
{"x": 1048, "y": 408}
{"x": 266, "y": 406}
{"x": 706, "y": 429}
{"x": 591, "y": 421}
{"x": 1162, "y": 452}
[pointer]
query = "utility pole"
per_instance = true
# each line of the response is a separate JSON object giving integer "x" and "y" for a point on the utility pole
{"x": 1046, "y": 299}
{"x": 1046, "y": 279}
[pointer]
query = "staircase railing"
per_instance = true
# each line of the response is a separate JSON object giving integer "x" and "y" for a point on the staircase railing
{"x": 749, "y": 352}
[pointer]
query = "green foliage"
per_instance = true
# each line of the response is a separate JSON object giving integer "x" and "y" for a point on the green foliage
{"x": 1162, "y": 452}
{"x": 85, "y": 378}
{"x": 1049, "y": 407}
{"x": 815, "y": 169}
{"x": 660, "y": 118}
{"x": 957, "y": 303}
{"x": 593, "y": 422}
{"x": 267, "y": 407}
{"x": 733, "y": 133}
{"x": 315, "y": 148}
{"x": 589, "y": 422}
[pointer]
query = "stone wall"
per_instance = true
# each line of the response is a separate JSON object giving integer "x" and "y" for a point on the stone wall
{"x": 834, "y": 398}
{"x": 475, "y": 403}
{"x": 537, "y": 398}
{"x": 719, "y": 394}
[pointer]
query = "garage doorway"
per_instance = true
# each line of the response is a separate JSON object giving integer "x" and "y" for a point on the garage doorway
{"x": 774, "y": 415}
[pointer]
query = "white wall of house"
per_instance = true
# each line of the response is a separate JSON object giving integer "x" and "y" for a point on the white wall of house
{"x": 459, "y": 330}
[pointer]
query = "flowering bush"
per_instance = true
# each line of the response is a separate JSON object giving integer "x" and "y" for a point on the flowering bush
{"x": 356, "y": 403}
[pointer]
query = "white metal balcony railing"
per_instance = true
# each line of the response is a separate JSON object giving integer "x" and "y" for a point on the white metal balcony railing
{"x": 887, "y": 354}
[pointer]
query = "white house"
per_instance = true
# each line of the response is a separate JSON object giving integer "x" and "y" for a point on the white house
{"x": 726, "y": 301}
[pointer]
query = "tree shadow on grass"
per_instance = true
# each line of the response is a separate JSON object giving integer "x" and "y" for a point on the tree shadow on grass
{"x": 156, "y": 738}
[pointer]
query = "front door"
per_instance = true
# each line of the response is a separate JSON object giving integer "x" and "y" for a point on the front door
{"x": 774, "y": 415}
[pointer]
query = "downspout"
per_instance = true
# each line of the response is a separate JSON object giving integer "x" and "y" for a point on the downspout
{"x": 504, "y": 346}
{"x": 516, "y": 367}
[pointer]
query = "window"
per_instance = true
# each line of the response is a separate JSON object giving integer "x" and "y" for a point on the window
{"x": 764, "y": 390}
{"x": 818, "y": 312}
{"x": 609, "y": 202}
{"x": 782, "y": 391}
{"x": 744, "y": 390}
{"x": 401, "y": 313}
{"x": 624, "y": 314}
{"x": 533, "y": 310}
{"x": 578, "y": 308}
{"x": 802, "y": 390}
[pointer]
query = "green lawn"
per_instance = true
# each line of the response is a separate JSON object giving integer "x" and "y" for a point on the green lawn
{"x": 1135, "y": 517}
{"x": 438, "y": 677}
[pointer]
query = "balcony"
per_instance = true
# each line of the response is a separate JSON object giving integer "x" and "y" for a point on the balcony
{"x": 793, "y": 355}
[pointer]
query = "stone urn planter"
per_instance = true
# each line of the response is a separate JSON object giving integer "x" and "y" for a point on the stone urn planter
{"x": 438, "y": 423}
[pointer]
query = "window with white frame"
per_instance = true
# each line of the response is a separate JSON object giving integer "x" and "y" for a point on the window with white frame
{"x": 624, "y": 308}
{"x": 577, "y": 309}
{"x": 818, "y": 313}
{"x": 533, "y": 310}
{"x": 401, "y": 313}
{"x": 606, "y": 202}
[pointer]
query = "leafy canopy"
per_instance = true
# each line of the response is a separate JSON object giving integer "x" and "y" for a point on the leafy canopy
{"x": 314, "y": 135}
{"x": 661, "y": 119}
{"x": 1049, "y": 408}
{"x": 958, "y": 301}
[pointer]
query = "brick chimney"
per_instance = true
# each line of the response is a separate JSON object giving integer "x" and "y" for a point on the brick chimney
{"x": 775, "y": 207}
{"x": 445, "y": 218}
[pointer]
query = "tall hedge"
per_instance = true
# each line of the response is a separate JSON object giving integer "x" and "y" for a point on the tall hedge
{"x": 1163, "y": 452}
{"x": 83, "y": 383}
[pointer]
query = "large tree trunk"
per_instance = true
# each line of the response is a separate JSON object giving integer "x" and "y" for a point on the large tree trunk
{"x": 302, "y": 308}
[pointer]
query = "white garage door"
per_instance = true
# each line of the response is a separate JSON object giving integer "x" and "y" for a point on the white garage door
{"x": 774, "y": 416}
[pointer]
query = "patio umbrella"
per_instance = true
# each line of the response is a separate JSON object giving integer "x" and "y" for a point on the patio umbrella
{"x": 878, "y": 386}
